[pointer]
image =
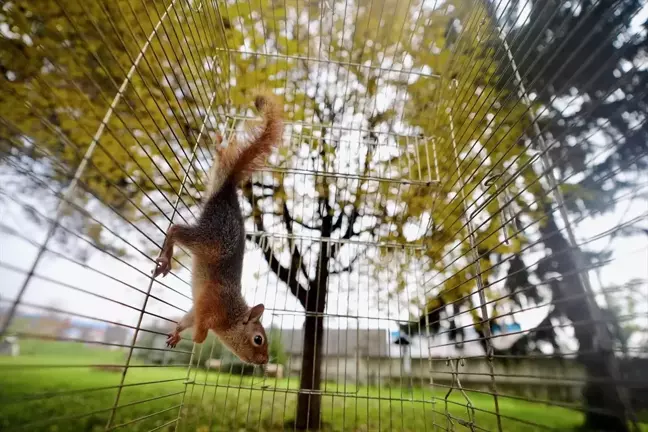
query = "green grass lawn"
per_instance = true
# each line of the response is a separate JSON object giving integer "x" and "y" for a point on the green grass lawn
{"x": 49, "y": 387}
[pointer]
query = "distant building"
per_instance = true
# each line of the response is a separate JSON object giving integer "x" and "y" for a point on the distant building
{"x": 370, "y": 356}
{"x": 117, "y": 335}
{"x": 379, "y": 357}
{"x": 91, "y": 334}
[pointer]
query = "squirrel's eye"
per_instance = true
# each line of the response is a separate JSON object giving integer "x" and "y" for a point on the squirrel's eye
{"x": 258, "y": 340}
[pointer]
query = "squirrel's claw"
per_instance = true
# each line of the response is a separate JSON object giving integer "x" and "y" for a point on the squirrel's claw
{"x": 163, "y": 266}
{"x": 172, "y": 340}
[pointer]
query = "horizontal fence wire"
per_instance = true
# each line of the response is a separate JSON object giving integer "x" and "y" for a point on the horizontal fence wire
{"x": 450, "y": 235}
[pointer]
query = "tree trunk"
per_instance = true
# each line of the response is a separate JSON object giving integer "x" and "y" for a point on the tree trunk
{"x": 309, "y": 400}
{"x": 308, "y": 404}
{"x": 602, "y": 395}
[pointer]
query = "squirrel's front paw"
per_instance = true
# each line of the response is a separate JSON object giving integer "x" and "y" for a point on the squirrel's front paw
{"x": 163, "y": 266}
{"x": 173, "y": 339}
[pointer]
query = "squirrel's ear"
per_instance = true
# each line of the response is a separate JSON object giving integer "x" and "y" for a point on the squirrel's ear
{"x": 254, "y": 315}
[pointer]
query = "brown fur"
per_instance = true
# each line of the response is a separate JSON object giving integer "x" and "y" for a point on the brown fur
{"x": 269, "y": 133}
{"x": 217, "y": 245}
{"x": 240, "y": 162}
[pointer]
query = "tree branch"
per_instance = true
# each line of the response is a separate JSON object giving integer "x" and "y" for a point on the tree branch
{"x": 348, "y": 267}
{"x": 273, "y": 187}
{"x": 305, "y": 225}
{"x": 283, "y": 273}
{"x": 352, "y": 218}
{"x": 338, "y": 223}
{"x": 296, "y": 258}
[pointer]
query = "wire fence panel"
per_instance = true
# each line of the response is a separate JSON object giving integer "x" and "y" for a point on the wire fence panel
{"x": 450, "y": 236}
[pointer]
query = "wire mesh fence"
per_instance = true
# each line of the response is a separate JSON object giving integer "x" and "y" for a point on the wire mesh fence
{"x": 451, "y": 236}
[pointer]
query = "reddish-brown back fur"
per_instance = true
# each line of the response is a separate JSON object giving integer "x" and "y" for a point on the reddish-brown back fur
{"x": 219, "y": 311}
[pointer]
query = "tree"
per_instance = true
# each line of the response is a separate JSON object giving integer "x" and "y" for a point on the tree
{"x": 589, "y": 50}
{"x": 356, "y": 87}
{"x": 73, "y": 59}
{"x": 61, "y": 68}
{"x": 398, "y": 106}
{"x": 326, "y": 207}
{"x": 595, "y": 52}
{"x": 395, "y": 74}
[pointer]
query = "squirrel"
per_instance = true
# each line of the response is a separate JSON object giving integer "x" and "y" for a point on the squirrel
{"x": 217, "y": 246}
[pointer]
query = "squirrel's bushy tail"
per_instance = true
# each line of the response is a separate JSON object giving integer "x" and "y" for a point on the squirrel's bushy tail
{"x": 266, "y": 137}
{"x": 236, "y": 164}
